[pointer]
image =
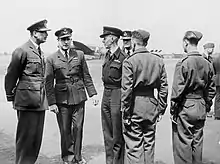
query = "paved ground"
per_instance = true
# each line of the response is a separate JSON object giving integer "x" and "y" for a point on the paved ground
{"x": 93, "y": 149}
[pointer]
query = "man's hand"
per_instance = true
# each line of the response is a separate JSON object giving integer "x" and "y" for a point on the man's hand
{"x": 54, "y": 108}
{"x": 126, "y": 119}
{"x": 95, "y": 100}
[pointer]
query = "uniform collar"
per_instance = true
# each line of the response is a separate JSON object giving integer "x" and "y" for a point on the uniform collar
{"x": 63, "y": 52}
{"x": 194, "y": 53}
{"x": 140, "y": 50}
{"x": 116, "y": 53}
{"x": 35, "y": 45}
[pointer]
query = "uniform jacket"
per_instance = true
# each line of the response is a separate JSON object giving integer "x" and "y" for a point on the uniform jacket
{"x": 24, "y": 80}
{"x": 193, "y": 74}
{"x": 112, "y": 68}
{"x": 143, "y": 72}
{"x": 71, "y": 78}
{"x": 216, "y": 65}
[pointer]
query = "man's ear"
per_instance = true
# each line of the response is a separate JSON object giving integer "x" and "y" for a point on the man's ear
{"x": 186, "y": 42}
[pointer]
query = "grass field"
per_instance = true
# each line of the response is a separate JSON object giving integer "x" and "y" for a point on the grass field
{"x": 93, "y": 138}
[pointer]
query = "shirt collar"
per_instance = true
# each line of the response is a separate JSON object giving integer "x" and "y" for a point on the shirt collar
{"x": 63, "y": 52}
{"x": 35, "y": 45}
{"x": 140, "y": 50}
{"x": 116, "y": 52}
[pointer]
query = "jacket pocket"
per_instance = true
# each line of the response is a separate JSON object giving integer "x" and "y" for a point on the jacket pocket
{"x": 75, "y": 69}
{"x": 34, "y": 65}
{"x": 146, "y": 108}
{"x": 194, "y": 109}
{"x": 28, "y": 95}
{"x": 78, "y": 92}
{"x": 115, "y": 70}
{"x": 61, "y": 93}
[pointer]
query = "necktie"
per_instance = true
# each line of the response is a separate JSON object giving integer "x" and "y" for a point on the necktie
{"x": 39, "y": 50}
{"x": 128, "y": 52}
{"x": 66, "y": 55}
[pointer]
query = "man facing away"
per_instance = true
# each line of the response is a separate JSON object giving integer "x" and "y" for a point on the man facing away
{"x": 142, "y": 73}
{"x": 192, "y": 93}
{"x": 25, "y": 87}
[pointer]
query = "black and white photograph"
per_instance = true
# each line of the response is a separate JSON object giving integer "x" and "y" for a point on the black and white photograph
{"x": 110, "y": 82}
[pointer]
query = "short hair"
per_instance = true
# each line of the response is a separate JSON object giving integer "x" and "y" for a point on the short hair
{"x": 139, "y": 39}
{"x": 192, "y": 41}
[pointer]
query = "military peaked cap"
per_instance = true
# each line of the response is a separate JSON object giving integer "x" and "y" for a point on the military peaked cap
{"x": 209, "y": 45}
{"x": 39, "y": 26}
{"x": 64, "y": 32}
{"x": 126, "y": 35}
{"x": 111, "y": 31}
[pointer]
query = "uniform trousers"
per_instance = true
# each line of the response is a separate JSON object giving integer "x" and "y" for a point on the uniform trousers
{"x": 188, "y": 133}
{"x": 70, "y": 121}
{"x": 29, "y": 136}
{"x": 140, "y": 135}
{"x": 112, "y": 126}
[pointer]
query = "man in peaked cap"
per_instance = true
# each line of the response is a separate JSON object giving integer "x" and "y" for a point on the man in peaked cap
{"x": 111, "y": 101}
{"x": 208, "y": 51}
{"x": 126, "y": 38}
{"x": 24, "y": 86}
{"x": 67, "y": 78}
{"x": 192, "y": 93}
{"x": 142, "y": 73}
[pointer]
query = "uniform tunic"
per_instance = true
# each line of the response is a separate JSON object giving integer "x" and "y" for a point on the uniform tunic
{"x": 142, "y": 73}
{"x": 66, "y": 81}
{"x": 25, "y": 86}
{"x": 111, "y": 106}
{"x": 192, "y": 93}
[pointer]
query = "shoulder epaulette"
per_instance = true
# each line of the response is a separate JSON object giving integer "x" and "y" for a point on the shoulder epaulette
{"x": 156, "y": 54}
{"x": 184, "y": 58}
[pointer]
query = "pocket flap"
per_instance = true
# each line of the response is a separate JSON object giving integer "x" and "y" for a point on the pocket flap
{"x": 115, "y": 65}
{"x": 80, "y": 84}
{"x": 189, "y": 103}
{"x": 61, "y": 87}
{"x": 34, "y": 60}
{"x": 29, "y": 86}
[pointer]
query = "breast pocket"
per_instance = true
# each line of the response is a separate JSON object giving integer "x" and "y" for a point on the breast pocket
{"x": 115, "y": 70}
{"x": 61, "y": 92}
{"x": 34, "y": 65}
{"x": 75, "y": 68}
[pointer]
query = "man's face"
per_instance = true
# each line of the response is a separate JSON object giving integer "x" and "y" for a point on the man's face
{"x": 127, "y": 43}
{"x": 210, "y": 51}
{"x": 40, "y": 36}
{"x": 107, "y": 41}
{"x": 64, "y": 43}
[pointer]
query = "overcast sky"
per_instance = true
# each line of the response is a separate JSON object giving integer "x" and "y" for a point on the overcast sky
{"x": 166, "y": 20}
